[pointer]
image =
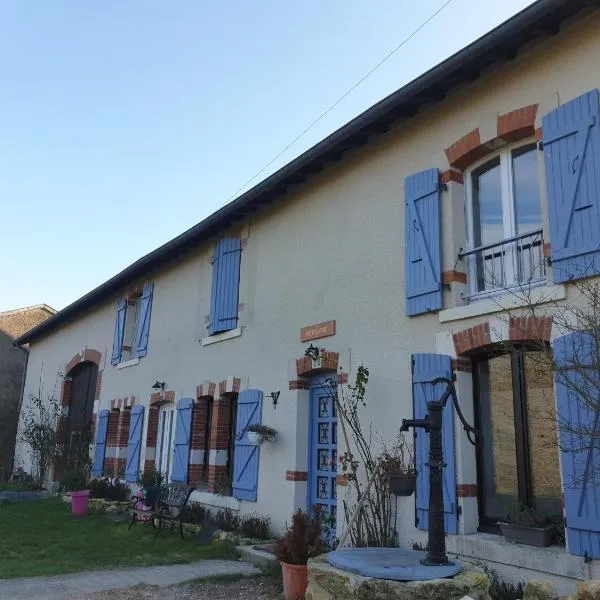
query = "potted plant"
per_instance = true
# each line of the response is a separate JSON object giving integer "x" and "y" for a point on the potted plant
{"x": 526, "y": 525}
{"x": 75, "y": 483}
{"x": 257, "y": 434}
{"x": 301, "y": 542}
{"x": 150, "y": 482}
{"x": 398, "y": 467}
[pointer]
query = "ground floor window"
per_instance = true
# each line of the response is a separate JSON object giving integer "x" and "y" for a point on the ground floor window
{"x": 518, "y": 454}
{"x": 164, "y": 444}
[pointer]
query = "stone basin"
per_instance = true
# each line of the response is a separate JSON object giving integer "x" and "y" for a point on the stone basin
{"x": 326, "y": 582}
{"x": 390, "y": 563}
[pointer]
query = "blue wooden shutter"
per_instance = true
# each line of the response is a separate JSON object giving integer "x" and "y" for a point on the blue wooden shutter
{"x": 134, "y": 443}
{"x": 183, "y": 439}
{"x": 143, "y": 321}
{"x": 225, "y": 286}
{"x": 246, "y": 455}
{"x": 572, "y": 158}
{"x": 426, "y": 368}
{"x": 578, "y": 425}
{"x": 100, "y": 449}
{"x": 119, "y": 331}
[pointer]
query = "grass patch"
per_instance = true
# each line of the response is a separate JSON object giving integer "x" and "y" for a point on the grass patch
{"x": 43, "y": 538}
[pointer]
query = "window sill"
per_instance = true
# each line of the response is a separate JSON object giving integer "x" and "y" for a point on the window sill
{"x": 215, "y": 500}
{"x": 535, "y": 295}
{"x": 494, "y": 548}
{"x": 220, "y": 337}
{"x": 128, "y": 363}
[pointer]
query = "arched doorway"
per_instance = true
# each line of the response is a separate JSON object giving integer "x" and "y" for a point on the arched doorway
{"x": 81, "y": 407}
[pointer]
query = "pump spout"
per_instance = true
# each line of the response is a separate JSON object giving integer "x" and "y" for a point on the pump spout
{"x": 408, "y": 423}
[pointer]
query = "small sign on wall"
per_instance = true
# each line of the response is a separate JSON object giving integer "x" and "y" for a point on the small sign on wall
{"x": 317, "y": 331}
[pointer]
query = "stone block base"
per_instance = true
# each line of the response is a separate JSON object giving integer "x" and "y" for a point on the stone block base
{"x": 329, "y": 583}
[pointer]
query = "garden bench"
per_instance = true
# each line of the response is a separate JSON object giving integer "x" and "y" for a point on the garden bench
{"x": 169, "y": 506}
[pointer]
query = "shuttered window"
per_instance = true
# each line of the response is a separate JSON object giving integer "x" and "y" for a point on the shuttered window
{"x": 422, "y": 239}
{"x": 132, "y": 326}
{"x": 577, "y": 384}
{"x": 225, "y": 286}
{"x": 572, "y": 159}
{"x": 426, "y": 368}
{"x": 246, "y": 455}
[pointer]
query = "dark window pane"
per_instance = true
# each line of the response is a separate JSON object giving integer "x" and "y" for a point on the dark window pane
{"x": 526, "y": 189}
{"x": 488, "y": 226}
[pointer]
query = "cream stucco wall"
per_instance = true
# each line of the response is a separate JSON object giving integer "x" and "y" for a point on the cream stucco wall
{"x": 333, "y": 249}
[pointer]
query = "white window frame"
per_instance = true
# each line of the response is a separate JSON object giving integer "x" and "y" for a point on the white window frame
{"x": 508, "y": 218}
{"x": 164, "y": 452}
{"x": 132, "y": 313}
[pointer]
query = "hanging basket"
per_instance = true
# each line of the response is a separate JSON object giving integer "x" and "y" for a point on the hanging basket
{"x": 255, "y": 438}
{"x": 402, "y": 484}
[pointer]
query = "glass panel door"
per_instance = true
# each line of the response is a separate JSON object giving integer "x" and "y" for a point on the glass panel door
{"x": 323, "y": 458}
{"x": 543, "y": 446}
{"x": 164, "y": 445}
{"x": 498, "y": 481}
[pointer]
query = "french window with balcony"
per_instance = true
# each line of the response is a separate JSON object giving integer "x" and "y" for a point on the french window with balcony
{"x": 504, "y": 221}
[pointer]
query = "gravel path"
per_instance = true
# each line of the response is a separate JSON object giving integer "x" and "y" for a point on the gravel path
{"x": 84, "y": 585}
{"x": 255, "y": 588}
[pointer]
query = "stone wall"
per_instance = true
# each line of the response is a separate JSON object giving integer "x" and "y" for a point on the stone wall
{"x": 13, "y": 323}
{"x": 329, "y": 583}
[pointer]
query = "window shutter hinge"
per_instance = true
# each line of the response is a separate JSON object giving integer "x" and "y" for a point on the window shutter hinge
{"x": 541, "y": 145}
{"x": 443, "y": 187}
{"x": 458, "y": 511}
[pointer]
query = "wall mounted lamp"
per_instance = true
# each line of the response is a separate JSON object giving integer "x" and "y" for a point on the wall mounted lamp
{"x": 159, "y": 385}
{"x": 274, "y": 396}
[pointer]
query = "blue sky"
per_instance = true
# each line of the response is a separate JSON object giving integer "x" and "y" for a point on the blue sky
{"x": 124, "y": 123}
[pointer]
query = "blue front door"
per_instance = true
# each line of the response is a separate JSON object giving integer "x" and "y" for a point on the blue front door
{"x": 322, "y": 458}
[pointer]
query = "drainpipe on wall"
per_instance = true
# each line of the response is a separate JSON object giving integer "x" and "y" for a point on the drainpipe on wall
{"x": 21, "y": 394}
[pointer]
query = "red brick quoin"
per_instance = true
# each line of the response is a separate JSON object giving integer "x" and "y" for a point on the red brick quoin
{"x": 474, "y": 338}
{"x": 523, "y": 329}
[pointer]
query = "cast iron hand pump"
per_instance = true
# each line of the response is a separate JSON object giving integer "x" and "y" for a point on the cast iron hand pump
{"x": 432, "y": 423}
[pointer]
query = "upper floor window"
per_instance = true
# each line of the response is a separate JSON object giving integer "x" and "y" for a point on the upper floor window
{"x": 132, "y": 326}
{"x": 225, "y": 286}
{"x": 504, "y": 220}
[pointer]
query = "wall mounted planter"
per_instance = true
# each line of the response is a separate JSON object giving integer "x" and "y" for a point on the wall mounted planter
{"x": 532, "y": 536}
{"x": 402, "y": 485}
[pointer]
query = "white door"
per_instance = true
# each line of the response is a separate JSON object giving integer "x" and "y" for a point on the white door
{"x": 164, "y": 444}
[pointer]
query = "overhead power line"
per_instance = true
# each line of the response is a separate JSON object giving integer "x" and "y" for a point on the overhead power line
{"x": 347, "y": 93}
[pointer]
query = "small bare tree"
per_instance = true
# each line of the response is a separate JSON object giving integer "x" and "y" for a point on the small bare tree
{"x": 39, "y": 430}
{"x": 373, "y": 523}
{"x": 572, "y": 360}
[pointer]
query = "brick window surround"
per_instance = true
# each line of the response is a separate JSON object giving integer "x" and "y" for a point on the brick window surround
{"x": 520, "y": 329}
{"x": 513, "y": 126}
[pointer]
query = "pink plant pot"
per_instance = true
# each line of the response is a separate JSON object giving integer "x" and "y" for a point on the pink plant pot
{"x": 79, "y": 502}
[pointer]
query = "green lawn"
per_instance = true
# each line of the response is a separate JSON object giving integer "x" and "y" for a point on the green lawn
{"x": 43, "y": 538}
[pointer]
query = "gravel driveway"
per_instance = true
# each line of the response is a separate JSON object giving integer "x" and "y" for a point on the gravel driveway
{"x": 255, "y": 588}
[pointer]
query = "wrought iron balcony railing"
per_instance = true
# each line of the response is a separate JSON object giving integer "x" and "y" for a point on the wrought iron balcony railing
{"x": 515, "y": 261}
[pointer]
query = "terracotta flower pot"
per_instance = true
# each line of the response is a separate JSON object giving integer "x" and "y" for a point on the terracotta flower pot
{"x": 295, "y": 581}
